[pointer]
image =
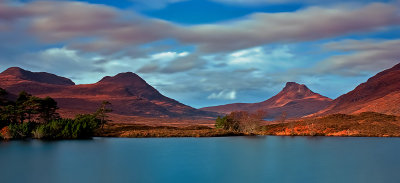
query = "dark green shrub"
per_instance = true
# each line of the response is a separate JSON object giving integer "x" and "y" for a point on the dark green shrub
{"x": 83, "y": 126}
{"x": 221, "y": 122}
{"x": 20, "y": 131}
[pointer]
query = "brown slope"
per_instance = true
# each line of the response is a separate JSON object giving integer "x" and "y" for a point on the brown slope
{"x": 295, "y": 99}
{"x": 381, "y": 93}
{"x": 129, "y": 94}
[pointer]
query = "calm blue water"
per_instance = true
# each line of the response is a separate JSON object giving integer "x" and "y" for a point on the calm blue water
{"x": 224, "y": 159}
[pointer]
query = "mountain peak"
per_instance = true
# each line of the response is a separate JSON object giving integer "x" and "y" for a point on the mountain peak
{"x": 131, "y": 84}
{"x": 41, "y": 77}
{"x": 292, "y": 92}
{"x": 292, "y": 84}
{"x": 295, "y": 99}
{"x": 125, "y": 77}
{"x": 294, "y": 87}
{"x": 14, "y": 70}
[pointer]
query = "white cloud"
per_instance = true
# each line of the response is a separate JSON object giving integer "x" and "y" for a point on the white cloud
{"x": 260, "y": 55}
{"x": 168, "y": 55}
{"x": 226, "y": 95}
{"x": 60, "y": 52}
{"x": 246, "y": 56}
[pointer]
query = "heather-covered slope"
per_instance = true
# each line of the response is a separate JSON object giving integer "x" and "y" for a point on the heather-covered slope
{"x": 381, "y": 93}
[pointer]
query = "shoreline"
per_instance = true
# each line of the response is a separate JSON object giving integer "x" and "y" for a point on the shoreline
{"x": 144, "y": 131}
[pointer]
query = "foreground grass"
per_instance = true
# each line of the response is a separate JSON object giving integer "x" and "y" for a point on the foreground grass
{"x": 134, "y": 130}
{"x": 367, "y": 124}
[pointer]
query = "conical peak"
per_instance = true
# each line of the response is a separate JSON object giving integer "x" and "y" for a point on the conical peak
{"x": 294, "y": 90}
{"x": 125, "y": 77}
{"x": 293, "y": 86}
{"x": 288, "y": 84}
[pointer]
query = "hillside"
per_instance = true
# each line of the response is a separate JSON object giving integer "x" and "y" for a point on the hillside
{"x": 381, "y": 93}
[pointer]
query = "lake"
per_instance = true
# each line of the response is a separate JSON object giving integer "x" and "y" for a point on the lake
{"x": 220, "y": 159}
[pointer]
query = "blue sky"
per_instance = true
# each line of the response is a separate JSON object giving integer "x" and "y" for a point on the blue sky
{"x": 205, "y": 52}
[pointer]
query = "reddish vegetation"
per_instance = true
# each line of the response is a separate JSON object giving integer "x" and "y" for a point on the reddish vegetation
{"x": 363, "y": 124}
{"x": 381, "y": 93}
{"x": 4, "y": 133}
{"x": 135, "y": 130}
{"x": 129, "y": 94}
{"x": 296, "y": 100}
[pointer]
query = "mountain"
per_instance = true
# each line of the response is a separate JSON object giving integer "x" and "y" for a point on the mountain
{"x": 128, "y": 93}
{"x": 381, "y": 93}
{"x": 296, "y": 100}
{"x": 15, "y": 74}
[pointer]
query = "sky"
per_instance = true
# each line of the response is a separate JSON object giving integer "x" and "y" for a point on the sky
{"x": 205, "y": 52}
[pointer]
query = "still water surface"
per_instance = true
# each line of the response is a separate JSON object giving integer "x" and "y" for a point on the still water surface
{"x": 223, "y": 159}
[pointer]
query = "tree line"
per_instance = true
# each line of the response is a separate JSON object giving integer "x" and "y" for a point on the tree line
{"x": 29, "y": 116}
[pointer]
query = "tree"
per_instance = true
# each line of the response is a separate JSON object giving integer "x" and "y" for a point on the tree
{"x": 5, "y": 106}
{"x": 251, "y": 121}
{"x": 22, "y": 98}
{"x": 241, "y": 121}
{"x": 9, "y": 114}
{"x": 84, "y": 125}
{"x": 48, "y": 109}
{"x": 31, "y": 107}
{"x": 221, "y": 122}
{"x": 233, "y": 120}
{"x": 3, "y": 97}
{"x": 101, "y": 113}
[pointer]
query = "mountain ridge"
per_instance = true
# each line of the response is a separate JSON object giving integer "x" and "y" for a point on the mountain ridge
{"x": 380, "y": 93}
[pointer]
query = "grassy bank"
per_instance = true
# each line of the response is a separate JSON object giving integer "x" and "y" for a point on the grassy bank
{"x": 135, "y": 130}
{"x": 368, "y": 124}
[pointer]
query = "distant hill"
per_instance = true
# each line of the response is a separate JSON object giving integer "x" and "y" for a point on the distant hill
{"x": 129, "y": 94}
{"x": 295, "y": 100}
{"x": 381, "y": 93}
